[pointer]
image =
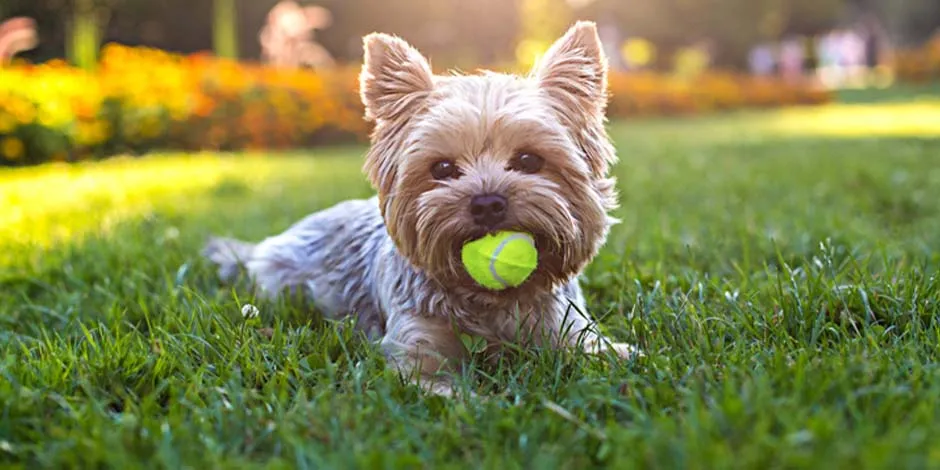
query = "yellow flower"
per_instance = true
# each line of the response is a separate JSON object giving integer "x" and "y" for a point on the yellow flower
{"x": 91, "y": 133}
{"x": 7, "y": 123}
{"x": 150, "y": 127}
{"x": 528, "y": 50}
{"x": 638, "y": 52}
{"x": 24, "y": 112}
{"x": 84, "y": 133}
{"x": 54, "y": 114}
{"x": 12, "y": 148}
{"x": 689, "y": 62}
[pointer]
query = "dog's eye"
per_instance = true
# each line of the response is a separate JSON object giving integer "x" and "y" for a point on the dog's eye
{"x": 527, "y": 163}
{"x": 444, "y": 169}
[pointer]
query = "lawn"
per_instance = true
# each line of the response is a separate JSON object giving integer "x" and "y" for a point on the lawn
{"x": 779, "y": 268}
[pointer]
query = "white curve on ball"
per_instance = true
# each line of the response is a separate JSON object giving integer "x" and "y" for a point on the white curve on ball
{"x": 499, "y": 249}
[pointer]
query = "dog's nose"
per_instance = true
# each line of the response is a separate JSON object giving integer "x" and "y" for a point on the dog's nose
{"x": 488, "y": 209}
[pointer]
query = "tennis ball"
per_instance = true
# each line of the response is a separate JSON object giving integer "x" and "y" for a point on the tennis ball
{"x": 500, "y": 260}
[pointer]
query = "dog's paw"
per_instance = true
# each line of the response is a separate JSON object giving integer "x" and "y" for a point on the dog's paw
{"x": 621, "y": 350}
{"x": 444, "y": 388}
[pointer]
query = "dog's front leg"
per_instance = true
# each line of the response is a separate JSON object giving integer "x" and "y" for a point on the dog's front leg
{"x": 426, "y": 350}
{"x": 577, "y": 331}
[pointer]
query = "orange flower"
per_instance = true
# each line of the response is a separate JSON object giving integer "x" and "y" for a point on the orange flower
{"x": 12, "y": 148}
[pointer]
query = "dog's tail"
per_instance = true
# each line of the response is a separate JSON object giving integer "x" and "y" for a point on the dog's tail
{"x": 229, "y": 255}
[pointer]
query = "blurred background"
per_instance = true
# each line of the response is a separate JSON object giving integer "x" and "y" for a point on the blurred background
{"x": 91, "y": 78}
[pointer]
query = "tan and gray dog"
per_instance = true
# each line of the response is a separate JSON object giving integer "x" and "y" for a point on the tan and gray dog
{"x": 453, "y": 158}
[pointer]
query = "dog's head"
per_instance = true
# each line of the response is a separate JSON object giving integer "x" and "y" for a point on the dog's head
{"x": 456, "y": 157}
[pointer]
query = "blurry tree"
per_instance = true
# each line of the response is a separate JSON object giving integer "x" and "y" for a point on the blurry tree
{"x": 461, "y": 34}
{"x": 731, "y": 27}
{"x": 453, "y": 33}
{"x": 910, "y": 22}
{"x": 814, "y": 16}
{"x": 88, "y": 19}
{"x": 174, "y": 25}
{"x": 225, "y": 28}
{"x": 77, "y": 28}
{"x": 73, "y": 28}
{"x": 541, "y": 22}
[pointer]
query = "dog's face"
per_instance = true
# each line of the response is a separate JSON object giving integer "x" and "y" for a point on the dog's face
{"x": 456, "y": 157}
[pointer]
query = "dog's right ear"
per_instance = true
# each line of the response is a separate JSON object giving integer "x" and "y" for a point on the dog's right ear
{"x": 395, "y": 77}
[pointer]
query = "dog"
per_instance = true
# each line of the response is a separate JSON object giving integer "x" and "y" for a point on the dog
{"x": 452, "y": 158}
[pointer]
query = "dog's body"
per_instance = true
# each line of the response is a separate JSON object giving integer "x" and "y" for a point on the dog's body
{"x": 454, "y": 158}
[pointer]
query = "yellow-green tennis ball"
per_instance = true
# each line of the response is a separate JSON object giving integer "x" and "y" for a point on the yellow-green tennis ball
{"x": 500, "y": 260}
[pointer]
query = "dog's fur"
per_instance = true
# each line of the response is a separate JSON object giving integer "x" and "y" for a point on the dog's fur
{"x": 394, "y": 260}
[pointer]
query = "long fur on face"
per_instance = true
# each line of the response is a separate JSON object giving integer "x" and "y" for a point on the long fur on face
{"x": 481, "y": 122}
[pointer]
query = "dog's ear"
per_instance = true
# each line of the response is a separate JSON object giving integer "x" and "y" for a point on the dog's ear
{"x": 394, "y": 83}
{"x": 573, "y": 75}
{"x": 574, "y": 71}
{"x": 395, "y": 77}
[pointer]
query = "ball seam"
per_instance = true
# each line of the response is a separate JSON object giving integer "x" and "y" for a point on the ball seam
{"x": 499, "y": 249}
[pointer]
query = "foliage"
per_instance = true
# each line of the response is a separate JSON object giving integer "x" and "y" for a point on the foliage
{"x": 85, "y": 32}
{"x": 657, "y": 94}
{"x": 224, "y": 29}
{"x": 730, "y": 26}
{"x": 911, "y": 22}
{"x": 541, "y": 23}
{"x": 462, "y": 34}
{"x": 142, "y": 98}
{"x": 458, "y": 33}
{"x": 780, "y": 275}
{"x": 921, "y": 64}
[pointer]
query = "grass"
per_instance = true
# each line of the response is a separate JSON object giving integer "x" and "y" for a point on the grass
{"x": 780, "y": 269}
{"x": 898, "y": 92}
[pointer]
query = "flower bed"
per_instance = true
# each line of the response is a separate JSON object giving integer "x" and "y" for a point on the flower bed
{"x": 919, "y": 65}
{"x": 141, "y": 99}
{"x": 653, "y": 94}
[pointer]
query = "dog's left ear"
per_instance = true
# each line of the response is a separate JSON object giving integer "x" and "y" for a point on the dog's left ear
{"x": 574, "y": 71}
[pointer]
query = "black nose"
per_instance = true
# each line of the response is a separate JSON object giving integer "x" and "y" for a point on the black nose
{"x": 488, "y": 209}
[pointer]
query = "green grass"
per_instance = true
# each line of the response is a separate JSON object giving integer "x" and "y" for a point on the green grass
{"x": 779, "y": 268}
{"x": 896, "y": 93}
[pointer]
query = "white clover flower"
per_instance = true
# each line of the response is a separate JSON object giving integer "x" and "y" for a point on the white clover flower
{"x": 250, "y": 311}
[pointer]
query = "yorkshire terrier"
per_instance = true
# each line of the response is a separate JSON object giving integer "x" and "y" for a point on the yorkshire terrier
{"x": 452, "y": 158}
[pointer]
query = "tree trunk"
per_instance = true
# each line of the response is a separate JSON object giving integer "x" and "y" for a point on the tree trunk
{"x": 84, "y": 40}
{"x": 224, "y": 31}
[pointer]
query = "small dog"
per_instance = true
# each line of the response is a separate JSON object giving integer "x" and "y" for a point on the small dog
{"x": 452, "y": 159}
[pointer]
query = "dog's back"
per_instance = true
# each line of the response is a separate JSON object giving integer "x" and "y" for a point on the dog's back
{"x": 330, "y": 256}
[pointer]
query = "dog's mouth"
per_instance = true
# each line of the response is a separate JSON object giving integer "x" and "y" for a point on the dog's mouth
{"x": 550, "y": 253}
{"x": 479, "y": 232}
